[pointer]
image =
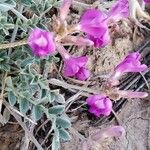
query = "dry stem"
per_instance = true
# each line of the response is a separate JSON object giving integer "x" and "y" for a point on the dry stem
{"x": 14, "y": 44}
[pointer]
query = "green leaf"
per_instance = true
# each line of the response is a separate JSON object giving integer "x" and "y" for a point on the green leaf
{"x": 9, "y": 83}
{"x": 7, "y": 6}
{"x": 9, "y": 26}
{"x": 11, "y": 98}
{"x": 26, "y": 2}
{"x": 60, "y": 99}
{"x": 43, "y": 85}
{"x": 64, "y": 135}
{"x": 27, "y": 61}
{"x": 37, "y": 112}
{"x": 6, "y": 115}
{"x": 63, "y": 122}
{"x": 4, "y": 62}
{"x": 23, "y": 105}
{"x": 55, "y": 96}
{"x": 57, "y": 109}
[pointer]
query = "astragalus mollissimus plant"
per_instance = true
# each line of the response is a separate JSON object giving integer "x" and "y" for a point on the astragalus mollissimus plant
{"x": 24, "y": 65}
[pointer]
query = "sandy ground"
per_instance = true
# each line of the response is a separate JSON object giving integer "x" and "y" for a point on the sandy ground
{"x": 134, "y": 118}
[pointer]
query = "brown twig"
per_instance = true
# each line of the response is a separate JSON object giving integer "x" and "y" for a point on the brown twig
{"x": 68, "y": 86}
{"x": 12, "y": 45}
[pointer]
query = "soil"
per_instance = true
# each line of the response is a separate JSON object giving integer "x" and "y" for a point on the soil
{"x": 134, "y": 118}
{"x": 10, "y": 137}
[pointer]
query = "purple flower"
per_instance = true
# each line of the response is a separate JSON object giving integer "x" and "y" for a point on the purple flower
{"x": 114, "y": 131}
{"x": 119, "y": 10}
{"x": 99, "y": 104}
{"x": 100, "y": 41}
{"x": 41, "y": 42}
{"x": 130, "y": 64}
{"x": 94, "y": 24}
{"x": 147, "y": 1}
{"x": 75, "y": 66}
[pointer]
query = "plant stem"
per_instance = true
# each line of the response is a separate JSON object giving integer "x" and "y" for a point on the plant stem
{"x": 136, "y": 10}
{"x": 62, "y": 51}
{"x": 14, "y": 44}
{"x": 2, "y": 91}
{"x": 17, "y": 13}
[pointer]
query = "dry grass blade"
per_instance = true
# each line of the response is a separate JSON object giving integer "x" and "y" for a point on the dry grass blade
{"x": 72, "y": 99}
{"x": 70, "y": 86}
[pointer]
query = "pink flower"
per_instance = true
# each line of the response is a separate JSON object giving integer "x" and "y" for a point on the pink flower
{"x": 100, "y": 41}
{"x": 75, "y": 66}
{"x": 109, "y": 132}
{"x": 99, "y": 104}
{"x": 114, "y": 131}
{"x": 147, "y": 1}
{"x": 130, "y": 64}
{"x": 119, "y": 10}
{"x": 41, "y": 42}
{"x": 94, "y": 24}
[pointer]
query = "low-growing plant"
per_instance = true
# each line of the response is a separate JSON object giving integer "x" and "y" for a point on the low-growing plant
{"x": 32, "y": 42}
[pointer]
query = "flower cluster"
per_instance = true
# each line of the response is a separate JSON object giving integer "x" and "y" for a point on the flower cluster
{"x": 101, "y": 105}
{"x": 130, "y": 64}
{"x": 94, "y": 23}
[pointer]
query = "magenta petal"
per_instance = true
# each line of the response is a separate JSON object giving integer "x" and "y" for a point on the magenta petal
{"x": 76, "y": 66}
{"x": 134, "y": 55}
{"x": 92, "y": 15}
{"x": 99, "y": 105}
{"x": 100, "y": 41}
{"x": 93, "y": 23}
{"x": 82, "y": 60}
{"x": 91, "y": 99}
{"x": 83, "y": 74}
{"x": 70, "y": 67}
{"x": 147, "y": 1}
{"x": 94, "y": 111}
{"x": 119, "y": 10}
{"x": 130, "y": 64}
{"x": 41, "y": 42}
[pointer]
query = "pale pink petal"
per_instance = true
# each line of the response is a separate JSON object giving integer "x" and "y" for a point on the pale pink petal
{"x": 82, "y": 74}
{"x": 132, "y": 94}
{"x": 119, "y": 10}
